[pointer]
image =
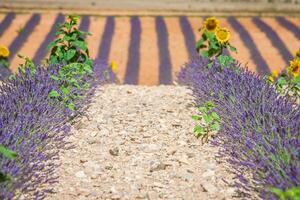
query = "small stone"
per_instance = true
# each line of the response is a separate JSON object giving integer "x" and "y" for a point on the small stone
{"x": 190, "y": 155}
{"x": 157, "y": 184}
{"x": 171, "y": 151}
{"x": 94, "y": 134}
{"x": 114, "y": 151}
{"x": 116, "y": 197}
{"x": 210, "y": 188}
{"x": 113, "y": 190}
{"x": 80, "y": 174}
{"x": 208, "y": 174}
{"x": 157, "y": 165}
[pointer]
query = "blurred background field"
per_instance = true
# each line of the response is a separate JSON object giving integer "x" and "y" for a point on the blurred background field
{"x": 150, "y": 40}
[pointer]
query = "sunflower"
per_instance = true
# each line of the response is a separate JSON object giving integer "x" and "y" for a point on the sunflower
{"x": 211, "y": 24}
{"x": 274, "y": 73}
{"x": 4, "y": 52}
{"x": 223, "y": 35}
{"x": 113, "y": 66}
{"x": 294, "y": 68}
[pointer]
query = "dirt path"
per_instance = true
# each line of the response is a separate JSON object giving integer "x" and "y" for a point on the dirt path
{"x": 137, "y": 143}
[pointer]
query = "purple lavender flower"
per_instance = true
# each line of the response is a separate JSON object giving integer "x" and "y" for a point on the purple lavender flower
{"x": 260, "y": 133}
{"x": 34, "y": 126}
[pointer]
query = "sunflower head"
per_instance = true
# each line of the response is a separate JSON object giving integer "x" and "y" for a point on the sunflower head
{"x": 113, "y": 66}
{"x": 294, "y": 68}
{"x": 211, "y": 24}
{"x": 222, "y": 35}
{"x": 274, "y": 73}
{"x": 4, "y": 52}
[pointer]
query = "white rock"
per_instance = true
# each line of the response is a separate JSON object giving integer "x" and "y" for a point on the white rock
{"x": 80, "y": 174}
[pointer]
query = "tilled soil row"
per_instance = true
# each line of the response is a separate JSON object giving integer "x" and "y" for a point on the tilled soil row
{"x": 137, "y": 142}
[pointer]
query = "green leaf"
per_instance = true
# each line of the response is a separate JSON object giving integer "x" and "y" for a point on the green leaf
{"x": 51, "y": 45}
{"x": 202, "y": 109}
{"x": 233, "y": 49}
{"x": 80, "y": 44}
{"x": 56, "y": 78}
{"x": 204, "y": 54}
{"x": 198, "y": 130}
{"x": 278, "y": 192}
{"x": 210, "y": 35}
{"x": 53, "y": 93}
{"x": 207, "y": 118}
{"x": 71, "y": 106}
{"x": 210, "y": 104}
{"x": 213, "y": 46}
{"x": 4, "y": 177}
{"x": 196, "y": 117}
{"x": 7, "y": 152}
{"x": 200, "y": 44}
{"x": 215, "y": 116}
{"x": 65, "y": 90}
{"x": 70, "y": 54}
{"x": 215, "y": 126}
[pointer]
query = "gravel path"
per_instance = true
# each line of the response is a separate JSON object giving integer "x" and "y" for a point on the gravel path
{"x": 136, "y": 142}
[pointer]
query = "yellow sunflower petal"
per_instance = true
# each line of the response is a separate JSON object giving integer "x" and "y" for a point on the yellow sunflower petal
{"x": 223, "y": 35}
{"x": 211, "y": 24}
{"x": 294, "y": 68}
{"x": 274, "y": 73}
{"x": 113, "y": 66}
{"x": 4, "y": 52}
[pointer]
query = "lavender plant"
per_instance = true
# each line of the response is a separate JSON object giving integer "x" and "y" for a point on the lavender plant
{"x": 260, "y": 129}
{"x": 34, "y": 126}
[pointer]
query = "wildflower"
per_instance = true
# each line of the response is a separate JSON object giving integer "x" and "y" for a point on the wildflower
{"x": 294, "y": 68}
{"x": 211, "y": 24}
{"x": 4, "y": 52}
{"x": 113, "y": 66}
{"x": 223, "y": 35}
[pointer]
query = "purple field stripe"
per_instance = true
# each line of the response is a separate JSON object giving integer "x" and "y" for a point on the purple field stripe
{"x": 289, "y": 26}
{"x": 165, "y": 66}
{"x": 6, "y": 22}
{"x": 133, "y": 63}
{"x": 274, "y": 38}
{"x": 16, "y": 45}
{"x": 104, "y": 48}
{"x": 189, "y": 37}
{"x": 42, "y": 50}
{"x": 85, "y": 23}
{"x": 261, "y": 65}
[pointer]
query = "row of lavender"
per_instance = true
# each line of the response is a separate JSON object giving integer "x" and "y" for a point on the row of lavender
{"x": 37, "y": 107}
{"x": 259, "y": 130}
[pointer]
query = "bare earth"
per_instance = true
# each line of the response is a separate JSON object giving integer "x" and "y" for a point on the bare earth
{"x": 137, "y": 142}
